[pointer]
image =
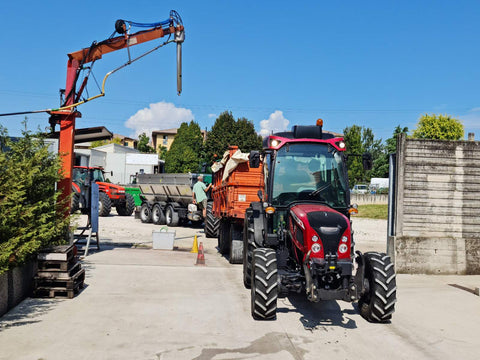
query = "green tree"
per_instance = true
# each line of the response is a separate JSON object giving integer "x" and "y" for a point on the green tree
{"x": 98, "y": 143}
{"x": 248, "y": 139}
{"x": 29, "y": 205}
{"x": 226, "y": 132}
{"x": 360, "y": 140}
{"x": 381, "y": 164}
{"x": 143, "y": 144}
{"x": 162, "y": 152}
{"x": 353, "y": 141}
{"x": 440, "y": 127}
{"x": 185, "y": 152}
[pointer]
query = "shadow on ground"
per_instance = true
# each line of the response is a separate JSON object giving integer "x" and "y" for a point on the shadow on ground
{"x": 29, "y": 311}
{"x": 320, "y": 315}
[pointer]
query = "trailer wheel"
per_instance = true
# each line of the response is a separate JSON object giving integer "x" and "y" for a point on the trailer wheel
{"x": 377, "y": 304}
{"x": 126, "y": 208}
{"x": 224, "y": 237}
{"x": 171, "y": 216}
{"x": 236, "y": 245}
{"x": 264, "y": 285}
{"x": 104, "y": 204}
{"x": 212, "y": 224}
{"x": 158, "y": 217}
{"x": 145, "y": 213}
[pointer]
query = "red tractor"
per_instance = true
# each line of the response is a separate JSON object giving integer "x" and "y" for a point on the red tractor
{"x": 299, "y": 237}
{"x": 110, "y": 194}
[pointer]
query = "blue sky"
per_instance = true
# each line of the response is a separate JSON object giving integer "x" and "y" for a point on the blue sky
{"x": 278, "y": 63}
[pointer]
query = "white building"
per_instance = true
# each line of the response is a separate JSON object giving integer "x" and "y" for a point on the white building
{"x": 121, "y": 163}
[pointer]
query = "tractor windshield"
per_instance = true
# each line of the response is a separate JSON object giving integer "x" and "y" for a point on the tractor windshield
{"x": 98, "y": 175}
{"x": 309, "y": 171}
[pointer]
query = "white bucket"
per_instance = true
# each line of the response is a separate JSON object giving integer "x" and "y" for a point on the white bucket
{"x": 163, "y": 239}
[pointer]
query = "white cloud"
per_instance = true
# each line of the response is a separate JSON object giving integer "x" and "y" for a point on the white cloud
{"x": 212, "y": 116}
{"x": 276, "y": 122}
{"x": 471, "y": 120}
{"x": 159, "y": 116}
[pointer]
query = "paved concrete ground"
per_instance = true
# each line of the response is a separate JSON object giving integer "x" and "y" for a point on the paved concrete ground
{"x": 151, "y": 304}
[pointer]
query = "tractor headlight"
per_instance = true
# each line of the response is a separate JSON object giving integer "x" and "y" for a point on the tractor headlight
{"x": 274, "y": 143}
{"x": 344, "y": 239}
{"x": 342, "y": 248}
{"x": 314, "y": 238}
{"x": 316, "y": 248}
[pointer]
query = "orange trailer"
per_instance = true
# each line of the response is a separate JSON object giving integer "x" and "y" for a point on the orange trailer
{"x": 235, "y": 186}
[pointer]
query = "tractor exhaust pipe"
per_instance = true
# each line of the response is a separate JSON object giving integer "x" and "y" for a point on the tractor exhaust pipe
{"x": 179, "y": 39}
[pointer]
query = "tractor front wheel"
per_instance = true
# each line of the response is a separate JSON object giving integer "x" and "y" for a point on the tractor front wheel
{"x": 126, "y": 208}
{"x": 104, "y": 204}
{"x": 264, "y": 284}
{"x": 377, "y": 304}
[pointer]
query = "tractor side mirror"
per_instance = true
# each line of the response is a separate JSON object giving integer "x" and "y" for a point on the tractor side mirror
{"x": 254, "y": 159}
{"x": 367, "y": 161}
{"x": 260, "y": 195}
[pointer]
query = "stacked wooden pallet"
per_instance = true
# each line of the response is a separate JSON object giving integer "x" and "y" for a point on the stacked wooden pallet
{"x": 59, "y": 273}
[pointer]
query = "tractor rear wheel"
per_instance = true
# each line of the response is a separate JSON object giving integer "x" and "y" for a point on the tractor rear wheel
{"x": 171, "y": 216}
{"x": 126, "y": 208}
{"x": 377, "y": 304}
{"x": 104, "y": 204}
{"x": 158, "y": 216}
{"x": 212, "y": 224}
{"x": 264, "y": 284}
{"x": 224, "y": 237}
{"x": 145, "y": 213}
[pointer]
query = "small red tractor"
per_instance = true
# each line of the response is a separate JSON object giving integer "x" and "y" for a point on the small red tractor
{"x": 297, "y": 236}
{"x": 110, "y": 194}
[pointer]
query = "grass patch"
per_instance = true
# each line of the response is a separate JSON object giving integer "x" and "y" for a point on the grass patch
{"x": 373, "y": 211}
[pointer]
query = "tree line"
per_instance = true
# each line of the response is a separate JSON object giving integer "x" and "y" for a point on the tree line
{"x": 190, "y": 153}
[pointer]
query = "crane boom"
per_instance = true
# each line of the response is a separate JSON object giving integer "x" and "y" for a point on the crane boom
{"x": 120, "y": 42}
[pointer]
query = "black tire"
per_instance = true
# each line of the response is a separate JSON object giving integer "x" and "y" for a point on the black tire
{"x": 145, "y": 213}
{"x": 126, "y": 208}
{"x": 104, "y": 204}
{"x": 224, "y": 237}
{"x": 75, "y": 202}
{"x": 171, "y": 216}
{"x": 264, "y": 284}
{"x": 212, "y": 224}
{"x": 377, "y": 304}
{"x": 248, "y": 247}
{"x": 236, "y": 244}
{"x": 158, "y": 216}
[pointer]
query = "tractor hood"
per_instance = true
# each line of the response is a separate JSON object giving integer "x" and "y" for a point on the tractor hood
{"x": 327, "y": 223}
{"x": 117, "y": 188}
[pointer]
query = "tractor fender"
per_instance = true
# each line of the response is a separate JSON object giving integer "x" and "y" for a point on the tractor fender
{"x": 76, "y": 188}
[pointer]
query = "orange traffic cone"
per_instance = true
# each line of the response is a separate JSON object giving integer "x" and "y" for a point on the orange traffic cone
{"x": 195, "y": 245}
{"x": 200, "y": 256}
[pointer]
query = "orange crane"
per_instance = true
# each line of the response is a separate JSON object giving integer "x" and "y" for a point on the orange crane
{"x": 66, "y": 115}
